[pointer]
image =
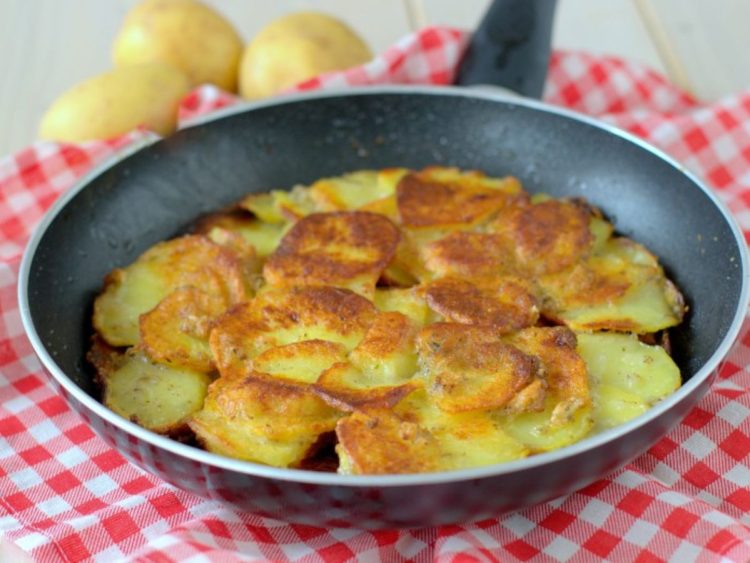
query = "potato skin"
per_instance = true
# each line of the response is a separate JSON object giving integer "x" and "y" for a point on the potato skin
{"x": 185, "y": 34}
{"x": 116, "y": 102}
{"x": 296, "y": 47}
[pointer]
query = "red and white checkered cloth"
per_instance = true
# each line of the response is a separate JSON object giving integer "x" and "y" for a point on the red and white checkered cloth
{"x": 66, "y": 495}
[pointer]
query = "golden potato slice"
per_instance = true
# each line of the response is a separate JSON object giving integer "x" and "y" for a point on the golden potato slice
{"x": 263, "y": 419}
{"x": 471, "y": 367}
{"x": 276, "y": 317}
{"x": 565, "y": 371}
{"x": 439, "y": 196}
{"x": 416, "y": 436}
{"x": 558, "y": 424}
{"x": 280, "y": 206}
{"x": 627, "y": 376}
{"x": 175, "y": 332}
{"x": 470, "y": 256}
{"x": 357, "y": 190}
{"x": 156, "y": 396}
{"x": 379, "y": 367}
{"x": 348, "y": 388}
{"x": 504, "y": 303}
{"x": 549, "y": 236}
{"x": 407, "y": 301}
{"x": 264, "y": 237}
{"x": 379, "y": 442}
{"x": 344, "y": 249}
{"x": 300, "y": 361}
{"x": 621, "y": 287}
{"x": 387, "y": 352}
{"x": 564, "y": 415}
{"x": 192, "y": 261}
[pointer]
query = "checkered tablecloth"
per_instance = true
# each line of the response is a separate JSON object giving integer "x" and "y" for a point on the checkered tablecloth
{"x": 66, "y": 495}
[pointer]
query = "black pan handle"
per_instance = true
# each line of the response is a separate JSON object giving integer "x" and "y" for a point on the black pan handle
{"x": 511, "y": 47}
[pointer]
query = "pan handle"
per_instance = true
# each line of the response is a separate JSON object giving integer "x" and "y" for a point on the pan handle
{"x": 510, "y": 47}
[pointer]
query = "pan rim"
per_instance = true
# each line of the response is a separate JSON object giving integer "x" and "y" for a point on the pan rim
{"x": 334, "y": 479}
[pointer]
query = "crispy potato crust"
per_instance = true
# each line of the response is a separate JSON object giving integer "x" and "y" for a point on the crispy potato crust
{"x": 441, "y": 197}
{"x": 472, "y": 367}
{"x": 281, "y": 316}
{"x": 504, "y": 303}
{"x": 344, "y": 249}
{"x": 470, "y": 256}
{"x": 547, "y": 237}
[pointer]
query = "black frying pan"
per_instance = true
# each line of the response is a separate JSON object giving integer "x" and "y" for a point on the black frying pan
{"x": 156, "y": 192}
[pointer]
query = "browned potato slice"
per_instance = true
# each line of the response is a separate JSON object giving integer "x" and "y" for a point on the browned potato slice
{"x": 380, "y": 442}
{"x": 192, "y": 261}
{"x": 564, "y": 370}
{"x": 357, "y": 190}
{"x": 346, "y": 249}
{"x": 350, "y": 388}
{"x": 280, "y": 206}
{"x": 156, "y": 396}
{"x": 470, "y": 255}
{"x": 620, "y": 287}
{"x": 549, "y": 236}
{"x": 176, "y": 331}
{"x": 263, "y": 419}
{"x": 300, "y": 361}
{"x": 472, "y": 368}
{"x": 379, "y": 366}
{"x": 504, "y": 303}
{"x": 276, "y": 317}
{"x": 446, "y": 196}
{"x": 407, "y": 301}
{"x": 264, "y": 237}
{"x": 387, "y": 353}
{"x": 416, "y": 436}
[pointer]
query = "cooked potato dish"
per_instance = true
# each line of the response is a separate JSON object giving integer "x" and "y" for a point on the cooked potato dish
{"x": 390, "y": 321}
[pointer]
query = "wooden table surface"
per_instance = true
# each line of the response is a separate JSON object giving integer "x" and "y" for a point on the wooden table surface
{"x": 46, "y": 46}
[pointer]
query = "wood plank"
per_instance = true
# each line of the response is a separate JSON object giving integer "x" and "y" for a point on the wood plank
{"x": 47, "y": 46}
{"x": 612, "y": 27}
{"x": 704, "y": 43}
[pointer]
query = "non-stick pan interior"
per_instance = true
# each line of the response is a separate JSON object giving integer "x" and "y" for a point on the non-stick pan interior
{"x": 156, "y": 194}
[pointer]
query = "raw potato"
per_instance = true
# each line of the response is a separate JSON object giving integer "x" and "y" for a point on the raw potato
{"x": 184, "y": 33}
{"x": 297, "y": 47}
{"x": 116, "y": 102}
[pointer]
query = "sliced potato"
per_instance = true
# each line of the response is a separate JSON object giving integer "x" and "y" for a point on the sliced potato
{"x": 470, "y": 256}
{"x": 277, "y": 317}
{"x": 627, "y": 376}
{"x": 387, "y": 353}
{"x": 350, "y": 191}
{"x": 344, "y": 249}
{"x": 471, "y": 368}
{"x": 439, "y": 196}
{"x": 505, "y": 303}
{"x": 547, "y": 237}
{"x": 192, "y": 261}
{"x": 264, "y": 237}
{"x": 263, "y": 419}
{"x": 557, "y": 425}
{"x": 175, "y": 332}
{"x": 621, "y": 287}
{"x": 156, "y": 396}
{"x": 380, "y": 442}
{"x": 416, "y": 436}
{"x": 280, "y": 206}
{"x": 348, "y": 388}
{"x": 302, "y": 361}
{"x": 407, "y": 301}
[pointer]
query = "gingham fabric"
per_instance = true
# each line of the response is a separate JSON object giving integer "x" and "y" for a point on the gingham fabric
{"x": 65, "y": 495}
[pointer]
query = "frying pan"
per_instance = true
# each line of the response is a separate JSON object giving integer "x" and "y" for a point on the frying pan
{"x": 155, "y": 192}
